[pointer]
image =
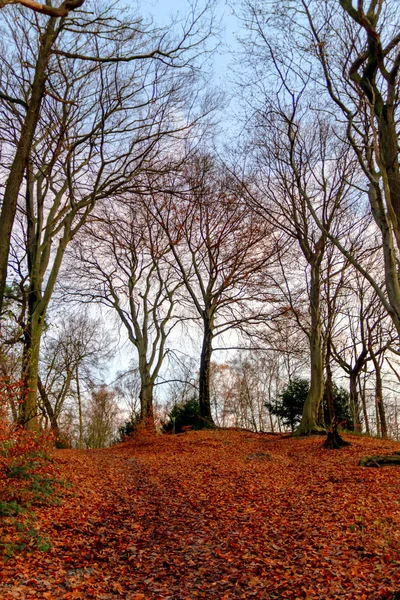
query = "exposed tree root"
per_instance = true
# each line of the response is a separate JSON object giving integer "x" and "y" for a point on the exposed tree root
{"x": 380, "y": 460}
{"x": 334, "y": 441}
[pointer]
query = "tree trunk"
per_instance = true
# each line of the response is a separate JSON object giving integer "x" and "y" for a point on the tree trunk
{"x": 329, "y": 384}
{"x": 389, "y": 154}
{"x": 380, "y": 407}
{"x": 333, "y": 440}
{"x": 364, "y": 403}
{"x": 309, "y": 420}
{"x": 146, "y": 394}
{"x": 28, "y": 417}
{"x": 354, "y": 403}
{"x": 16, "y": 174}
{"x": 380, "y": 460}
{"x": 384, "y": 222}
{"x": 80, "y": 412}
{"x": 49, "y": 409}
{"x": 204, "y": 376}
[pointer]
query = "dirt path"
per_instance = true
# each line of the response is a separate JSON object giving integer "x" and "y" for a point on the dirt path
{"x": 218, "y": 516}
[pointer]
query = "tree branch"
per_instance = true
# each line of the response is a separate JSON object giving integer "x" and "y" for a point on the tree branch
{"x": 46, "y": 9}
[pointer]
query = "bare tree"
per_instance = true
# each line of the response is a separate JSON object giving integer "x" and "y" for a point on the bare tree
{"x": 124, "y": 256}
{"x": 351, "y": 52}
{"x": 219, "y": 247}
{"x": 30, "y": 100}
{"x": 101, "y": 418}
{"x": 41, "y": 54}
{"x": 75, "y": 349}
{"x": 131, "y": 99}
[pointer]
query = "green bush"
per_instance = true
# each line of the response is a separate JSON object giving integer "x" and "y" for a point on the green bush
{"x": 289, "y": 405}
{"x": 128, "y": 428}
{"x": 183, "y": 415}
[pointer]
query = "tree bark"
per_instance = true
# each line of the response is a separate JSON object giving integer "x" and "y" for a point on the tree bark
{"x": 204, "y": 376}
{"x": 309, "y": 420}
{"x": 329, "y": 383}
{"x": 364, "y": 403}
{"x": 379, "y": 396}
{"x": 16, "y": 174}
{"x": 47, "y": 405}
{"x": 80, "y": 412}
{"x": 28, "y": 416}
{"x": 354, "y": 403}
{"x": 146, "y": 398}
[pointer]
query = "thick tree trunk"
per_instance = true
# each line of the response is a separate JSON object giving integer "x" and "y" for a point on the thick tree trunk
{"x": 309, "y": 420}
{"x": 333, "y": 440}
{"x": 387, "y": 225}
{"x": 389, "y": 153}
{"x": 28, "y": 416}
{"x": 146, "y": 393}
{"x": 204, "y": 376}
{"x": 146, "y": 401}
{"x": 16, "y": 174}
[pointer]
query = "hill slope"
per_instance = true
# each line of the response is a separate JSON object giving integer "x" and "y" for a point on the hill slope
{"x": 218, "y": 515}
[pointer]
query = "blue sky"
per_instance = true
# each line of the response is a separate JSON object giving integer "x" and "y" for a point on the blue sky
{"x": 163, "y": 10}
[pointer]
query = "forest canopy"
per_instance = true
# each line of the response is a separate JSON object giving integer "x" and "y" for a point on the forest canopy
{"x": 153, "y": 256}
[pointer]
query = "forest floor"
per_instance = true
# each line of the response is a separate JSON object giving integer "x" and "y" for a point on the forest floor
{"x": 216, "y": 515}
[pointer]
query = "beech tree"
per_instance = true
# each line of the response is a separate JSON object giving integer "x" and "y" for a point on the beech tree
{"x": 110, "y": 90}
{"x": 351, "y": 53}
{"x": 312, "y": 180}
{"x": 219, "y": 247}
{"x": 74, "y": 352}
{"x": 30, "y": 101}
{"x": 299, "y": 165}
{"x": 124, "y": 265}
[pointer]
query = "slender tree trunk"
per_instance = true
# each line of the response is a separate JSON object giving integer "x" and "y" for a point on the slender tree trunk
{"x": 80, "y": 412}
{"x": 16, "y": 174}
{"x": 328, "y": 389}
{"x": 379, "y": 396}
{"x": 364, "y": 403}
{"x": 354, "y": 401}
{"x": 48, "y": 407}
{"x": 204, "y": 376}
{"x": 309, "y": 420}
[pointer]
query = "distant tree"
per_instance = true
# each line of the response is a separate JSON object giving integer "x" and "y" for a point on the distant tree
{"x": 73, "y": 354}
{"x": 101, "y": 419}
{"x": 123, "y": 263}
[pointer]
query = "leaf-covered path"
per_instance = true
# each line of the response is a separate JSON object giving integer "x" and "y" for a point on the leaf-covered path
{"x": 218, "y": 515}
